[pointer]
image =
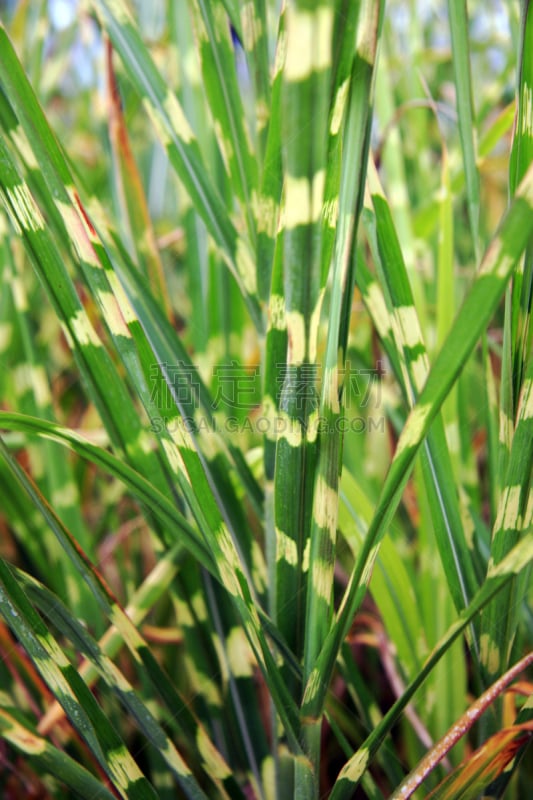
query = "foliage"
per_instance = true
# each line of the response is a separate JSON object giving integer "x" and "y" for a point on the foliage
{"x": 267, "y": 400}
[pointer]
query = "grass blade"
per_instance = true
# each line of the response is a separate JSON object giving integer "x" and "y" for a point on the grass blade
{"x": 494, "y": 273}
{"x": 322, "y": 552}
{"x": 131, "y": 196}
{"x": 215, "y": 767}
{"x": 217, "y": 59}
{"x": 63, "y": 679}
{"x": 513, "y": 521}
{"x": 51, "y": 760}
{"x": 436, "y": 462}
{"x": 465, "y": 107}
{"x": 304, "y": 161}
{"x": 512, "y": 565}
{"x": 181, "y": 145}
{"x": 516, "y": 452}
{"x": 521, "y": 158}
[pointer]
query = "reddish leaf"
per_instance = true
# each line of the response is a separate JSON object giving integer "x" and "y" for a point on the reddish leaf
{"x": 469, "y": 779}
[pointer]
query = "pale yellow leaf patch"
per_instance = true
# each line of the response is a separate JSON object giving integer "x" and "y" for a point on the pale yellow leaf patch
{"x": 6, "y": 333}
{"x": 527, "y": 110}
{"x": 266, "y": 212}
{"x": 20, "y": 140}
{"x": 331, "y": 385}
{"x": 173, "y": 456}
{"x": 20, "y": 737}
{"x": 408, "y": 320}
{"x": 268, "y": 410}
{"x": 338, "y": 107}
{"x": 306, "y": 556}
{"x": 246, "y": 267}
{"x": 508, "y": 517}
{"x": 27, "y": 212}
{"x": 314, "y": 323}
{"x": 420, "y": 369}
{"x": 268, "y": 777}
{"x": 452, "y": 436}
{"x": 289, "y": 429}
{"x": 497, "y": 262}
{"x": 303, "y": 201}
{"x": 41, "y": 386}
{"x": 78, "y": 234}
{"x": 199, "y": 606}
{"x": 356, "y": 766}
{"x": 330, "y": 212}
{"x": 229, "y": 563}
{"x": 19, "y": 293}
{"x": 506, "y": 429}
{"x": 213, "y": 761}
{"x": 123, "y": 768}
{"x": 122, "y": 299}
{"x": 313, "y": 424}
{"x": 325, "y": 506}
{"x": 112, "y": 314}
{"x": 322, "y": 579}
{"x": 83, "y": 331}
{"x": 210, "y": 690}
{"x": 286, "y": 548}
{"x": 309, "y": 42}
{"x": 490, "y": 653}
{"x": 177, "y": 118}
{"x": 368, "y": 17}
{"x": 239, "y": 654}
{"x": 312, "y": 687}
{"x": 22, "y": 378}
{"x": 369, "y": 566}
{"x": 414, "y": 428}
{"x": 297, "y": 338}
{"x": 276, "y": 312}
{"x": 184, "y": 616}
{"x": 65, "y": 496}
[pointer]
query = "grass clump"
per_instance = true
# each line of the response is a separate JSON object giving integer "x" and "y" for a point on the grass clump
{"x": 266, "y": 400}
